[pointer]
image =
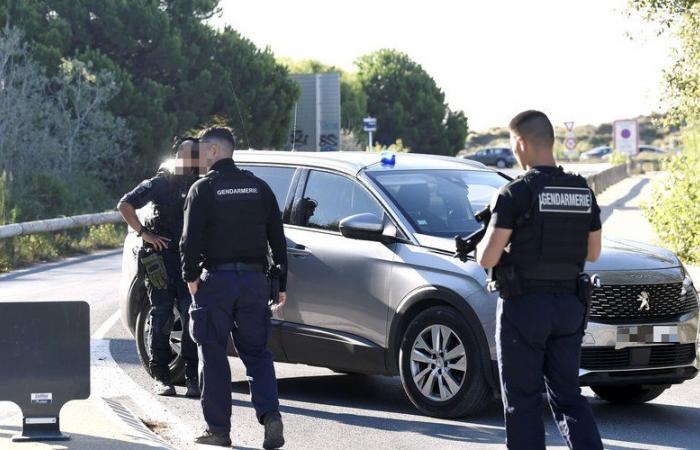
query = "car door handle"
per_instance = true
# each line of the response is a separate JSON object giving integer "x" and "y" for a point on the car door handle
{"x": 298, "y": 251}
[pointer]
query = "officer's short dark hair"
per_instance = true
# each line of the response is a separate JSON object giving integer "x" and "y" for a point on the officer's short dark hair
{"x": 534, "y": 127}
{"x": 221, "y": 134}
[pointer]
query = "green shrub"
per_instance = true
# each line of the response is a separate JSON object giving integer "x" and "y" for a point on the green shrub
{"x": 104, "y": 236}
{"x": 618, "y": 158}
{"x": 674, "y": 207}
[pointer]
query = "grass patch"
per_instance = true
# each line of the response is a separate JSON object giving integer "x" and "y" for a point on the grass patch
{"x": 22, "y": 251}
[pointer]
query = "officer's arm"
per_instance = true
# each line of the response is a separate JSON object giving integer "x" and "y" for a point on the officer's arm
{"x": 135, "y": 199}
{"x": 594, "y": 245}
{"x": 193, "y": 232}
{"x": 595, "y": 236}
{"x": 128, "y": 212}
{"x": 490, "y": 249}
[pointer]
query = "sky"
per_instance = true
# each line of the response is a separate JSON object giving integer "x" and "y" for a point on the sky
{"x": 586, "y": 61}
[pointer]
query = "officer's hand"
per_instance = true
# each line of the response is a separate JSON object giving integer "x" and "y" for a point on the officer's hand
{"x": 158, "y": 242}
{"x": 280, "y": 303}
{"x": 193, "y": 286}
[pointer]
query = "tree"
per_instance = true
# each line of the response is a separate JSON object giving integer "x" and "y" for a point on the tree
{"x": 174, "y": 72}
{"x": 408, "y": 104}
{"x": 682, "y": 79}
{"x": 55, "y": 132}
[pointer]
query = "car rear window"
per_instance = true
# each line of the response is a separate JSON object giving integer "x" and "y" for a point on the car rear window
{"x": 278, "y": 178}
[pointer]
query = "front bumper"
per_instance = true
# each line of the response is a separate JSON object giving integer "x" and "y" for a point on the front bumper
{"x": 637, "y": 343}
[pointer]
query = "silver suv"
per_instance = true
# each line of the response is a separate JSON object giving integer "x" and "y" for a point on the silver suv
{"x": 373, "y": 287}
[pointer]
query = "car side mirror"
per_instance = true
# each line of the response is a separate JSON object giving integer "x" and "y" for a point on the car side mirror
{"x": 366, "y": 227}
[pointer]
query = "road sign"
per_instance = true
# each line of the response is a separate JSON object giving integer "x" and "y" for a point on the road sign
{"x": 626, "y": 136}
{"x": 569, "y": 126}
{"x": 570, "y": 143}
{"x": 369, "y": 124}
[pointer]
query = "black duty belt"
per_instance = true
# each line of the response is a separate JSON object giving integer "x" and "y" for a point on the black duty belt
{"x": 238, "y": 267}
{"x": 530, "y": 286}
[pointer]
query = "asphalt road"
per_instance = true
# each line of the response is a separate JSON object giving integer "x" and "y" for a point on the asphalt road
{"x": 324, "y": 410}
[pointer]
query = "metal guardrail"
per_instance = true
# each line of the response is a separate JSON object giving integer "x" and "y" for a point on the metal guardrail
{"x": 58, "y": 224}
{"x": 598, "y": 183}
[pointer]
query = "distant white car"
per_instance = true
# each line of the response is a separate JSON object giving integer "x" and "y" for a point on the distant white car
{"x": 599, "y": 153}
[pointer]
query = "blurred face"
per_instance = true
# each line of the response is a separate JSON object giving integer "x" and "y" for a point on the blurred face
{"x": 188, "y": 160}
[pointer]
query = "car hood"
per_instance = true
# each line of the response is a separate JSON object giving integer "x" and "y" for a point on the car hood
{"x": 617, "y": 254}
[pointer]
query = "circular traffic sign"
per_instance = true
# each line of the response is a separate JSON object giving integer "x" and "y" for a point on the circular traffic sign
{"x": 570, "y": 143}
{"x": 626, "y": 133}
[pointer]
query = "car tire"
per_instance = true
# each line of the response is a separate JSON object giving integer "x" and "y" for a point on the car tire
{"x": 177, "y": 365}
{"x": 501, "y": 163}
{"x": 458, "y": 387}
{"x": 630, "y": 395}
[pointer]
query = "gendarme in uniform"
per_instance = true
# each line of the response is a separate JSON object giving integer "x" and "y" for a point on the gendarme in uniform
{"x": 231, "y": 217}
{"x": 167, "y": 192}
{"x": 540, "y": 317}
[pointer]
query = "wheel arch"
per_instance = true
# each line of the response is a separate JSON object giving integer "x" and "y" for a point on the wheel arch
{"x": 426, "y": 297}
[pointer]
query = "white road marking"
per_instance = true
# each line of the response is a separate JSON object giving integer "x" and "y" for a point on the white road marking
{"x": 106, "y": 326}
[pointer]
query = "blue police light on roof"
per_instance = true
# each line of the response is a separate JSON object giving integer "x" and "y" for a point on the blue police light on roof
{"x": 388, "y": 158}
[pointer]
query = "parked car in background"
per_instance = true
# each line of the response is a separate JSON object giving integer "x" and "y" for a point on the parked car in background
{"x": 598, "y": 153}
{"x": 650, "y": 149}
{"x": 500, "y": 157}
{"x": 374, "y": 288}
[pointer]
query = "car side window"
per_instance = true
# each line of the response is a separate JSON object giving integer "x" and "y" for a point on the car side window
{"x": 278, "y": 178}
{"x": 329, "y": 198}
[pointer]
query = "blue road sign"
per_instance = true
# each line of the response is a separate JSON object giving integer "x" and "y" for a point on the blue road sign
{"x": 369, "y": 124}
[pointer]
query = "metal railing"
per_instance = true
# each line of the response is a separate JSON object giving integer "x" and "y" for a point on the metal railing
{"x": 598, "y": 183}
{"x": 58, "y": 224}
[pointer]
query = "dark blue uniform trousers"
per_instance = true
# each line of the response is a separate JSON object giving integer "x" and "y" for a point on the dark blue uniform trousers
{"x": 233, "y": 303}
{"x": 162, "y": 302}
{"x": 538, "y": 337}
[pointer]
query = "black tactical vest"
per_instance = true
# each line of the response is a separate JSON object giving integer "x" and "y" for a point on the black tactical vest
{"x": 168, "y": 217}
{"x": 550, "y": 241}
{"x": 239, "y": 213}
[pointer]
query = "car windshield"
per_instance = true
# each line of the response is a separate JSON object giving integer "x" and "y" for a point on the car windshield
{"x": 440, "y": 202}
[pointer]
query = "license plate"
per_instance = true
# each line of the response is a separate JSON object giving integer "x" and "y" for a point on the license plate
{"x": 646, "y": 334}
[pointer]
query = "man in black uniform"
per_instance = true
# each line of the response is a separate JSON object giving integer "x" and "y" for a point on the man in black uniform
{"x": 230, "y": 219}
{"x": 161, "y": 258}
{"x": 544, "y": 226}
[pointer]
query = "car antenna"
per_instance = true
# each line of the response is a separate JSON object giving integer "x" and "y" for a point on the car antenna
{"x": 240, "y": 117}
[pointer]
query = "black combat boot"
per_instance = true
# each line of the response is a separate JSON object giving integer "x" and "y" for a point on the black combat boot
{"x": 212, "y": 438}
{"x": 274, "y": 431}
{"x": 164, "y": 388}
{"x": 193, "y": 390}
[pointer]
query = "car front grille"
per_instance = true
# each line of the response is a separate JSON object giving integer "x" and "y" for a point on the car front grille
{"x": 606, "y": 358}
{"x": 620, "y": 303}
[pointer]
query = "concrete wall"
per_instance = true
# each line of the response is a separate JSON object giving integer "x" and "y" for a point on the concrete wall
{"x": 603, "y": 180}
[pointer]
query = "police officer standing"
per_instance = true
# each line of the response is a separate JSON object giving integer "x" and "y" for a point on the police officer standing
{"x": 161, "y": 259}
{"x": 230, "y": 219}
{"x": 544, "y": 226}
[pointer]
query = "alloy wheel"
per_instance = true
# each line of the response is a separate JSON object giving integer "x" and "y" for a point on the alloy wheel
{"x": 438, "y": 363}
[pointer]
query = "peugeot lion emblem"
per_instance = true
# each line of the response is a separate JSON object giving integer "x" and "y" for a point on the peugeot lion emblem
{"x": 644, "y": 300}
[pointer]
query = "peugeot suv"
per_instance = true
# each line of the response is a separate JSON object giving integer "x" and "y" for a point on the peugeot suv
{"x": 373, "y": 287}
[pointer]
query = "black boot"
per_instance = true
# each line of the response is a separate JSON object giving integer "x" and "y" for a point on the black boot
{"x": 192, "y": 388}
{"x": 211, "y": 438}
{"x": 274, "y": 431}
{"x": 164, "y": 388}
